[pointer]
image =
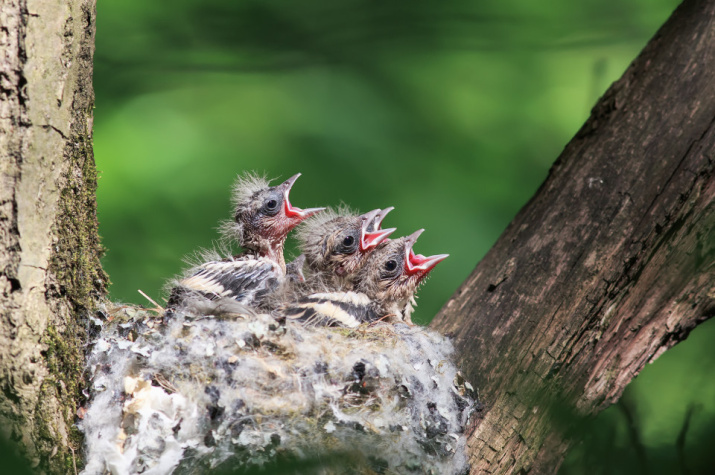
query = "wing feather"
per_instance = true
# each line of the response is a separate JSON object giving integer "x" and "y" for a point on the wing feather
{"x": 348, "y": 309}
{"x": 247, "y": 280}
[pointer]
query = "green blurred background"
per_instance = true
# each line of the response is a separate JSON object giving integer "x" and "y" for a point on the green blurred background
{"x": 450, "y": 111}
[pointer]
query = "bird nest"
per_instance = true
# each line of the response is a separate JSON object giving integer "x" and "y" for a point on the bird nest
{"x": 191, "y": 393}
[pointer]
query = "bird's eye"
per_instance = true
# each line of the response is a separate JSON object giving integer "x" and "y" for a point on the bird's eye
{"x": 391, "y": 265}
{"x": 348, "y": 245}
{"x": 271, "y": 206}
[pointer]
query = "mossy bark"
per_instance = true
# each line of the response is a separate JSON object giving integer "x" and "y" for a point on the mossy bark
{"x": 611, "y": 263}
{"x": 50, "y": 275}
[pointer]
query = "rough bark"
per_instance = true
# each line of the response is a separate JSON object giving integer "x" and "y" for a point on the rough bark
{"x": 610, "y": 264}
{"x": 50, "y": 275}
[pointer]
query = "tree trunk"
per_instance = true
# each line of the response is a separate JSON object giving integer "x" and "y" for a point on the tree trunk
{"x": 50, "y": 276}
{"x": 609, "y": 265}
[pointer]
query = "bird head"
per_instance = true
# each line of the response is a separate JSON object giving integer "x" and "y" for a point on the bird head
{"x": 264, "y": 215}
{"x": 337, "y": 244}
{"x": 393, "y": 272}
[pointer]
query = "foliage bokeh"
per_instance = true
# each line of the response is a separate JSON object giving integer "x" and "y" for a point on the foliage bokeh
{"x": 450, "y": 111}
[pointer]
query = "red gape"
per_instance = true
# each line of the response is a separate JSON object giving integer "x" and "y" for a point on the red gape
{"x": 291, "y": 211}
{"x": 417, "y": 263}
{"x": 370, "y": 239}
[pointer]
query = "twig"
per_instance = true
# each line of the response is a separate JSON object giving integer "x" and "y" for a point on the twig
{"x": 157, "y": 308}
{"x": 389, "y": 315}
{"x": 680, "y": 441}
{"x": 634, "y": 433}
{"x": 165, "y": 383}
{"x": 74, "y": 461}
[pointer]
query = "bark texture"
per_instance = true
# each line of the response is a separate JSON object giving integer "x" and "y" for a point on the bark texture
{"x": 608, "y": 266}
{"x": 50, "y": 276}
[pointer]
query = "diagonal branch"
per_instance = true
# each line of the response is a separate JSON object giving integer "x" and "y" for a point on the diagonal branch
{"x": 611, "y": 263}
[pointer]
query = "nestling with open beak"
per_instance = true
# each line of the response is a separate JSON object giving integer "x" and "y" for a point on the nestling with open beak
{"x": 336, "y": 245}
{"x": 384, "y": 289}
{"x": 263, "y": 216}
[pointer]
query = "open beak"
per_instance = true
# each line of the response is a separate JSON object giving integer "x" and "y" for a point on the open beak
{"x": 417, "y": 263}
{"x": 377, "y": 220}
{"x": 290, "y": 210}
{"x": 371, "y": 221}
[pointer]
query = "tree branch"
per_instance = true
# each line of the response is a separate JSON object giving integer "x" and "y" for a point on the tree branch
{"x": 610, "y": 264}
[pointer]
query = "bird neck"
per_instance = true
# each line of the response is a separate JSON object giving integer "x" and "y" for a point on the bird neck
{"x": 276, "y": 255}
{"x": 269, "y": 249}
{"x": 337, "y": 282}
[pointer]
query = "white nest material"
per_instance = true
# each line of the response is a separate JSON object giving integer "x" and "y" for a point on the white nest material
{"x": 189, "y": 394}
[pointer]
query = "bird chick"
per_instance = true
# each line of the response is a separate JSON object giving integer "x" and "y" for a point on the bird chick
{"x": 384, "y": 289}
{"x": 393, "y": 274}
{"x": 263, "y": 216}
{"x": 336, "y": 245}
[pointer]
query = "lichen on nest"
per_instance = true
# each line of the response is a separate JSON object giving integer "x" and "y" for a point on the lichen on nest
{"x": 195, "y": 392}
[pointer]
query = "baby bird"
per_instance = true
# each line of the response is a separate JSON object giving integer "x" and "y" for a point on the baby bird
{"x": 263, "y": 216}
{"x": 336, "y": 245}
{"x": 384, "y": 289}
